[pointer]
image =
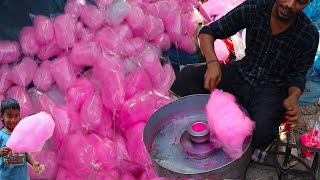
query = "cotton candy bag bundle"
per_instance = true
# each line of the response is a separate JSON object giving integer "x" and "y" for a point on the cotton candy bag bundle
{"x": 85, "y": 54}
{"x": 22, "y": 73}
{"x": 5, "y": 83}
{"x": 228, "y": 124}
{"x": 9, "y": 51}
{"x": 42, "y": 78}
{"x": 43, "y": 29}
{"x": 31, "y": 133}
{"x": 28, "y": 41}
{"x": 64, "y": 29}
{"x": 20, "y": 94}
{"x": 92, "y": 17}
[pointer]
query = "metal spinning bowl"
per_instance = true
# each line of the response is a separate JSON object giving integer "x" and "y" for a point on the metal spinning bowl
{"x": 175, "y": 155}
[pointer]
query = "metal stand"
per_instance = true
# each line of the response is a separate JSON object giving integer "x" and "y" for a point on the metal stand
{"x": 285, "y": 169}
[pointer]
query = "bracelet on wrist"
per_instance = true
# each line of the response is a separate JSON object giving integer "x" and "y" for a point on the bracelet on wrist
{"x": 211, "y": 61}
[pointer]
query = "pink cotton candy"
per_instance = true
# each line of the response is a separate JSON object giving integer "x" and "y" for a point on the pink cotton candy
{"x": 106, "y": 63}
{"x": 60, "y": 116}
{"x": 84, "y": 54}
{"x": 75, "y": 124}
{"x": 20, "y": 94}
{"x": 117, "y": 12}
{"x": 162, "y": 41}
{"x": 224, "y": 115}
{"x": 135, "y": 17}
{"x": 106, "y": 130}
{"x": 135, "y": 145}
{"x": 42, "y": 78}
{"x": 43, "y": 29}
{"x": 79, "y": 91}
{"x": 65, "y": 28}
{"x": 49, "y": 50}
{"x": 22, "y": 73}
{"x": 33, "y": 131}
{"x": 123, "y": 31}
{"x": 134, "y": 46}
{"x": 42, "y": 102}
{"x": 221, "y": 51}
{"x": 91, "y": 112}
{"x": 64, "y": 174}
{"x": 109, "y": 174}
{"x": 77, "y": 155}
{"x": 112, "y": 44}
{"x": 150, "y": 62}
{"x": 153, "y": 27}
{"x": 28, "y": 41}
{"x": 127, "y": 176}
{"x": 74, "y": 7}
{"x": 106, "y": 154}
{"x": 190, "y": 22}
{"x": 137, "y": 82}
{"x": 62, "y": 73}
{"x": 5, "y": 83}
{"x": 56, "y": 95}
{"x": 187, "y": 44}
{"x": 162, "y": 9}
{"x": 139, "y": 108}
{"x": 103, "y": 4}
{"x": 92, "y": 17}
{"x": 173, "y": 25}
{"x": 112, "y": 90}
{"x": 50, "y": 160}
{"x": 166, "y": 79}
{"x": 9, "y": 51}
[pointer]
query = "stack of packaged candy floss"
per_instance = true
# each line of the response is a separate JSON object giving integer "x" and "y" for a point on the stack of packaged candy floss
{"x": 97, "y": 70}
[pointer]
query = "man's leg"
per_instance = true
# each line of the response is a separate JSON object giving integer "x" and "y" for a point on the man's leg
{"x": 265, "y": 108}
{"x": 190, "y": 80}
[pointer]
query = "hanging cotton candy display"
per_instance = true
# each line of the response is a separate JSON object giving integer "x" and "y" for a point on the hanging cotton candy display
{"x": 92, "y": 17}
{"x": 62, "y": 73}
{"x": 19, "y": 93}
{"x": 64, "y": 29}
{"x": 22, "y": 73}
{"x": 117, "y": 11}
{"x": 9, "y": 51}
{"x": 85, "y": 54}
{"x": 43, "y": 29}
{"x": 49, "y": 50}
{"x": 28, "y": 41}
{"x": 42, "y": 78}
{"x": 74, "y": 7}
{"x": 5, "y": 83}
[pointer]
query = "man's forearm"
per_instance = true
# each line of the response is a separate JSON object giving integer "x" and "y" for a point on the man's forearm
{"x": 294, "y": 92}
{"x": 207, "y": 47}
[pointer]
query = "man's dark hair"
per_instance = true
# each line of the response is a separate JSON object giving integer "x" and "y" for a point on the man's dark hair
{"x": 9, "y": 103}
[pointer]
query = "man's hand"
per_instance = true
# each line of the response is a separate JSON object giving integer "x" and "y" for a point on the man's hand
{"x": 292, "y": 110}
{"x": 212, "y": 76}
{"x": 4, "y": 151}
{"x": 38, "y": 168}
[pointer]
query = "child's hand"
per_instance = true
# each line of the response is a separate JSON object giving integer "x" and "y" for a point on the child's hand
{"x": 38, "y": 168}
{"x": 4, "y": 151}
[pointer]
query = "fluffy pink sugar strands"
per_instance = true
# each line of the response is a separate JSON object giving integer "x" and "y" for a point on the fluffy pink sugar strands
{"x": 228, "y": 124}
{"x": 33, "y": 131}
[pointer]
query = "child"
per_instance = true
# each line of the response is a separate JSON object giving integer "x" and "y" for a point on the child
{"x": 13, "y": 165}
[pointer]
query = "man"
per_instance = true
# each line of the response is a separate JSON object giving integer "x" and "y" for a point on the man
{"x": 281, "y": 44}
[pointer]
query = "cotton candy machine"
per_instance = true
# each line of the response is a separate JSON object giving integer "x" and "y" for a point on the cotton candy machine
{"x": 177, "y": 139}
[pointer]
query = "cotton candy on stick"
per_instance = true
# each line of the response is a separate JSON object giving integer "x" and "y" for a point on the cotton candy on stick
{"x": 227, "y": 123}
{"x": 31, "y": 133}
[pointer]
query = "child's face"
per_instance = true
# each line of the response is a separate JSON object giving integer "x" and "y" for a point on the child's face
{"x": 11, "y": 118}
